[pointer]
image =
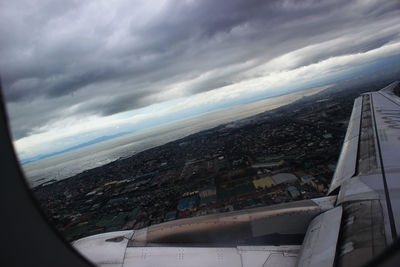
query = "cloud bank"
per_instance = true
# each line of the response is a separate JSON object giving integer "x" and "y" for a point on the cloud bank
{"x": 85, "y": 63}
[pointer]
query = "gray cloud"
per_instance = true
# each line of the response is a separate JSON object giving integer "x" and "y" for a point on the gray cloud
{"x": 111, "y": 59}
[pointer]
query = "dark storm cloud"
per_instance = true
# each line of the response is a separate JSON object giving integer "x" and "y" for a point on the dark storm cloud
{"x": 109, "y": 59}
{"x": 116, "y": 104}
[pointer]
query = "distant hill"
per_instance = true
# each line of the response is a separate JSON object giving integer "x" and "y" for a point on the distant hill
{"x": 91, "y": 142}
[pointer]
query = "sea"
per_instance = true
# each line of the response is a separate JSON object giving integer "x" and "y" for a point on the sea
{"x": 70, "y": 163}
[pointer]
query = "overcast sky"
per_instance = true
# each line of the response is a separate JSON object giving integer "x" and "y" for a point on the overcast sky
{"x": 76, "y": 70}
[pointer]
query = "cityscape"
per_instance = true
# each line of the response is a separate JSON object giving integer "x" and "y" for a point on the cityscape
{"x": 281, "y": 155}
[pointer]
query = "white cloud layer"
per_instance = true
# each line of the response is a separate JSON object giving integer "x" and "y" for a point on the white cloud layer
{"x": 64, "y": 133}
{"x": 73, "y": 68}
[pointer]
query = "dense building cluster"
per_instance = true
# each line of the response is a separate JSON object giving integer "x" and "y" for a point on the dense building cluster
{"x": 278, "y": 156}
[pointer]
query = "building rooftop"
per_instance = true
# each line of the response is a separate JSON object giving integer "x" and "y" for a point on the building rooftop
{"x": 307, "y": 177}
{"x": 285, "y": 177}
{"x": 264, "y": 182}
{"x": 187, "y": 202}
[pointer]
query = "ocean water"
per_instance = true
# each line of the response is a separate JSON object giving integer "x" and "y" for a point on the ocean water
{"x": 65, "y": 165}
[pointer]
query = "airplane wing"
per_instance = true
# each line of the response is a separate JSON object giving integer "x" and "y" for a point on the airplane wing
{"x": 358, "y": 219}
{"x": 367, "y": 177}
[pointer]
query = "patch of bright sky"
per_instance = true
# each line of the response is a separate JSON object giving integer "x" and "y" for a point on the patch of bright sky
{"x": 159, "y": 107}
{"x": 263, "y": 81}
